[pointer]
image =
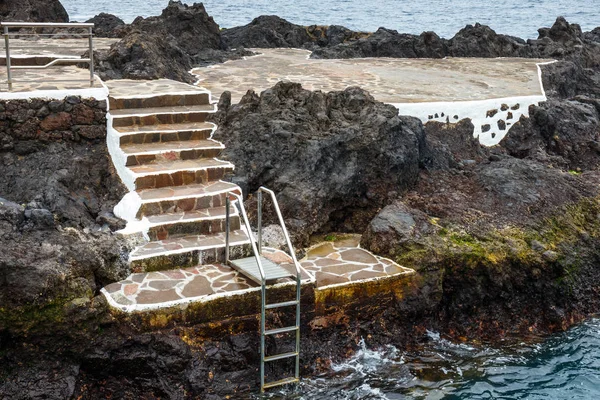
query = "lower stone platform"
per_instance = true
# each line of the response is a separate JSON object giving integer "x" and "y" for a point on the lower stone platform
{"x": 327, "y": 266}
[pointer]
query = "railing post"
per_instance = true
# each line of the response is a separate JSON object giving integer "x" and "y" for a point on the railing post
{"x": 227, "y": 205}
{"x": 259, "y": 212}
{"x": 7, "y": 48}
{"x": 90, "y": 31}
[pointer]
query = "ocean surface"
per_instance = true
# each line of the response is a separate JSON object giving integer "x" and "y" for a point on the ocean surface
{"x": 563, "y": 366}
{"x": 446, "y": 17}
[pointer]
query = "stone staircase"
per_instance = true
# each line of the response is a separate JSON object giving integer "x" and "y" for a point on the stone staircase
{"x": 162, "y": 148}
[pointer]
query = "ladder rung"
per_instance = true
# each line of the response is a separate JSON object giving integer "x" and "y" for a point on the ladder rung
{"x": 281, "y": 356}
{"x": 280, "y": 382}
{"x": 281, "y": 330}
{"x": 284, "y": 304}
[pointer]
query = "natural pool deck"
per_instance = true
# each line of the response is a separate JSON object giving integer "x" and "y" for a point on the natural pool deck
{"x": 327, "y": 266}
{"x": 39, "y": 52}
{"x": 389, "y": 80}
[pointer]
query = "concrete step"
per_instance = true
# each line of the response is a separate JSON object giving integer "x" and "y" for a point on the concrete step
{"x": 161, "y": 115}
{"x": 161, "y": 173}
{"x": 160, "y": 133}
{"x": 184, "y": 198}
{"x": 138, "y": 154}
{"x": 188, "y": 98}
{"x": 187, "y": 251}
{"x": 203, "y": 222}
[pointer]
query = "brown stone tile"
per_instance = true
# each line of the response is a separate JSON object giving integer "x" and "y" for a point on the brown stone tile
{"x": 358, "y": 255}
{"x": 164, "y": 284}
{"x": 343, "y": 268}
{"x": 199, "y": 286}
{"x": 155, "y": 297}
{"x": 324, "y": 279}
{"x": 360, "y": 275}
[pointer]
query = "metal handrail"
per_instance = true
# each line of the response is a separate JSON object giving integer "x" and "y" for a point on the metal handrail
{"x": 247, "y": 223}
{"x": 292, "y": 255}
{"x": 90, "y": 60}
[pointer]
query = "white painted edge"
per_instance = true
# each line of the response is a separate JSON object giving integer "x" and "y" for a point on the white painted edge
{"x": 377, "y": 278}
{"x": 183, "y": 303}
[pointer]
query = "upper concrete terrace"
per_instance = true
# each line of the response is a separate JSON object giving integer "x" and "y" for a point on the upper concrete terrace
{"x": 40, "y": 52}
{"x": 492, "y": 92}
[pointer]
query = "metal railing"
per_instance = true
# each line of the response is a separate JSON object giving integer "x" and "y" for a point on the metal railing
{"x": 88, "y": 33}
{"x": 257, "y": 251}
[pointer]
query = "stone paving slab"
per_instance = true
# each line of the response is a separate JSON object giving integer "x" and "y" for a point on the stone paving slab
{"x": 123, "y": 88}
{"x": 327, "y": 264}
{"x": 64, "y": 77}
{"x": 387, "y": 79}
{"x": 73, "y": 47}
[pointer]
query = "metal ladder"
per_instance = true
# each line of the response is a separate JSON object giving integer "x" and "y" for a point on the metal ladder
{"x": 261, "y": 270}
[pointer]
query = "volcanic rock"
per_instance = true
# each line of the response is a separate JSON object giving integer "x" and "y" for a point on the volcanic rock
{"x": 33, "y": 11}
{"x": 332, "y": 158}
{"x": 108, "y": 25}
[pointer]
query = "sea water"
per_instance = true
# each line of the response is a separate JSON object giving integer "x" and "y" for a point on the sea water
{"x": 563, "y": 366}
{"x": 519, "y": 18}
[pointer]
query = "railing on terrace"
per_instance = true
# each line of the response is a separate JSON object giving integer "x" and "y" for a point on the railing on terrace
{"x": 74, "y": 30}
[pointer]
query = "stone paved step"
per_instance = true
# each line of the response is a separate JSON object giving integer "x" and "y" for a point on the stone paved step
{"x": 203, "y": 222}
{"x": 184, "y": 198}
{"x": 139, "y": 134}
{"x": 165, "y": 100}
{"x": 138, "y": 154}
{"x": 155, "y": 290}
{"x": 163, "y": 173}
{"x": 187, "y": 251}
{"x": 161, "y": 115}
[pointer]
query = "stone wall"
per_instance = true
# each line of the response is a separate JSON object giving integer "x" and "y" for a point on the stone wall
{"x": 71, "y": 119}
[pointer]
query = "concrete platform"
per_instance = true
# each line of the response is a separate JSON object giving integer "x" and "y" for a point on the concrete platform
{"x": 331, "y": 267}
{"x": 492, "y": 92}
{"x": 389, "y": 80}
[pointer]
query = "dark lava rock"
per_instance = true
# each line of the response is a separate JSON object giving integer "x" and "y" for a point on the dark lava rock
{"x": 387, "y": 43}
{"x": 167, "y": 46}
{"x": 565, "y": 133}
{"x": 271, "y": 31}
{"x": 395, "y": 228}
{"x": 33, "y": 11}
{"x": 267, "y": 31}
{"x": 107, "y": 25}
{"x": 482, "y": 41}
{"x": 332, "y": 158}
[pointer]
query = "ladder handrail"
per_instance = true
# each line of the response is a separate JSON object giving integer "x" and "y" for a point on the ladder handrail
{"x": 247, "y": 223}
{"x": 281, "y": 223}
